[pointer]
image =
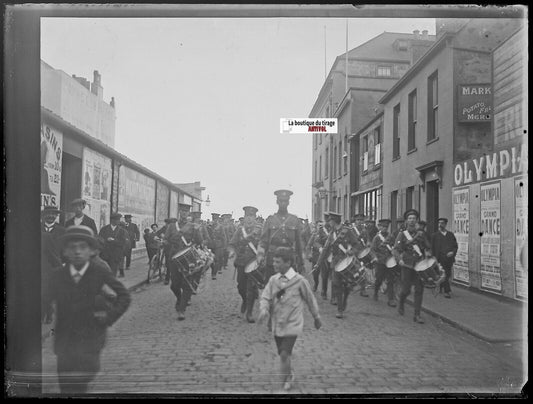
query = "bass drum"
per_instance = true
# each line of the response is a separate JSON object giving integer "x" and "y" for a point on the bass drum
{"x": 429, "y": 272}
{"x": 187, "y": 260}
{"x": 366, "y": 256}
{"x": 391, "y": 262}
{"x": 350, "y": 271}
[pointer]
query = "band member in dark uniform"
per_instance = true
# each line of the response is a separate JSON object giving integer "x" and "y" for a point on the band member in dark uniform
{"x": 281, "y": 229}
{"x": 219, "y": 242}
{"x": 399, "y": 227}
{"x": 325, "y": 267}
{"x": 358, "y": 225}
{"x": 80, "y": 218}
{"x": 340, "y": 245}
{"x": 444, "y": 247}
{"x": 229, "y": 229}
{"x": 382, "y": 248}
{"x": 371, "y": 230}
{"x": 243, "y": 247}
{"x": 115, "y": 238}
{"x": 313, "y": 249}
{"x": 409, "y": 248}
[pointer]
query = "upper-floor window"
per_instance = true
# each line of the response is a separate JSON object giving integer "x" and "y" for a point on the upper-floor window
{"x": 316, "y": 172}
{"x": 345, "y": 154}
{"x": 340, "y": 159}
{"x": 326, "y": 167}
{"x": 384, "y": 71}
{"x": 402, "y": 45}
{"x": 411, "y": 133}
{"x": 364, "y": 148}
{"x": 396, "y": 132}
{"x": 320, "y": 169}
{"x": 377, "y": 145}
{"x": 315, "y": 140}
{"x": 334, "y": 159}
{"x": 433, "y": 106}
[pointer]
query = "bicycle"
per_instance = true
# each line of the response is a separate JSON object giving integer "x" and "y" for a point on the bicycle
{"x": 157, "y": 267}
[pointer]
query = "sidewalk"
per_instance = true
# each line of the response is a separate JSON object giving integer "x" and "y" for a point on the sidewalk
{"x": 134, "y": 277}
{"x": 483, "y": 316}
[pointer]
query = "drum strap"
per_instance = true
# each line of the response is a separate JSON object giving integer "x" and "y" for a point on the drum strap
{"x": 409, "y": 237}
{"x": 341, "y": 247}
{"x": 185, "y": 241}
{"x": 250, "y": 244}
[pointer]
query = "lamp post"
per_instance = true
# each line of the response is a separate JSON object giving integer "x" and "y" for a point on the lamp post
{"x": 207, "y": 201}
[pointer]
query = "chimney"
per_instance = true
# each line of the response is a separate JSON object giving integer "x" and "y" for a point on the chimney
{"x": 112, "y": 103}
{"x": 425, "y": 35}
{"x": 96, "y": 87}
{"x": 416, "y": 33}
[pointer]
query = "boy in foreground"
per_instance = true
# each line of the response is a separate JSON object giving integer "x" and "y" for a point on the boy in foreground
{"x": 283, "y": 299}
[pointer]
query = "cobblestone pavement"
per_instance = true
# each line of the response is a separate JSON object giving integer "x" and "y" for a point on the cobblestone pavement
{"x": 214, "y": 350}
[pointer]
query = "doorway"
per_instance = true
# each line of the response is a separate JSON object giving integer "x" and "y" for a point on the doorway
{"x": 432, "y": 206}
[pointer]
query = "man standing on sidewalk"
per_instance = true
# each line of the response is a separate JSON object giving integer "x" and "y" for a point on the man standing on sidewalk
{"x": 444, "y": 247}
{"x": 283, "y": 298}
{"x": 134, "y": 236}
{"x": 115, "y": 239}
{"x": 80, "y": 218}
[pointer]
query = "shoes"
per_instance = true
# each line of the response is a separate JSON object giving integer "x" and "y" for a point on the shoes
{"x": 120, "y": 276}
{"x": 333, "y": 302}
{"x": 288, "y": 383}
{"x": 418, "y": 319}
{"x": 364, "y": 294}
{"x": 250, "y": 319}
{"x": 391, "y": 303}
{"x": 214, "y": 278}
{"x": 400, "y": 310}
{"x": 447, "y": 296}
{"x": 181, "y": 316}
{"x": 376, "y": 297}
{"x": 243, "y": 307}
{"x": 339, "y": 315}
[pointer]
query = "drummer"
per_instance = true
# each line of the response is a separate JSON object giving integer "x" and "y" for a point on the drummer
{"x": 358, "y": 224}
{"x": 340, "y": 244}
{"x": 381, "y": 247}
{"x": 410, "y": 248}
{"x": 244, "y": 253}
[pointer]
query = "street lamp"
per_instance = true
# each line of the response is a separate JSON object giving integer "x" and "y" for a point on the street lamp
{"x": 207, "y": 201}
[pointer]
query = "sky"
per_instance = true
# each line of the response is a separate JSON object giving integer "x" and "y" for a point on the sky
{"x": 201, "y": 99}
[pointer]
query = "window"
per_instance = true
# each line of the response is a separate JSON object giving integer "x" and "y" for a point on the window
{"x": 433, "y": 106}
{"x": 409, "y": 198}
{"x": 394, "y": 206}
{"x": 326, "y": 167}
{"x": 402, "y": 45}
{"x": 411, "y": 133}
{"x": 345, "y": 155}
{"x": 371, "y": 204}
{"x": 320, "y": 169}
{"x": 320, "y": 139}
{"x": 384, "y": 71}
{"x": 377, "y": 134}
{"x": 316, "y": 178}
{"x": 364, "y": 147}
{"x": 396, "y": 132}
{"x": 377, "y": 145}
{"x": 315, "y": 140}
{"x": 340, "y": 159}
{"x": 346, "y": 207}
{"x": 334, "y": 160}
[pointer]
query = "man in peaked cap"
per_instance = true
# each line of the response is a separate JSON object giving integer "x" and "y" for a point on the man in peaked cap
{"x": 444, "y": 247}
{"x": 219, "y": 242}
{"x": 243, "y": 247}
{"x": 322, "y": 234}
{"x": 229, "y": 228}
{"x": 281, "y": 229}
{"x": 381, "y": 246}
{"x": 80, "y": 218}
{"x": 358, "y": 225}
{"x": 134, "y": 236}
{"x": 83, "y": 314}
{"x": 115, "y": 239}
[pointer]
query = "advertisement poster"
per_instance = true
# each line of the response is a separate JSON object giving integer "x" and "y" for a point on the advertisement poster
{"x": 490, "y": 237}
{"x": 461, "y": 225}
{"x": 521, "y": 188}
{"x": 51, "y": 159}
{"x": 96, "y": 186}
{"x": 136, "y": 196}
{"x": 174, "y": 198}
{"x": 161, "y": 208}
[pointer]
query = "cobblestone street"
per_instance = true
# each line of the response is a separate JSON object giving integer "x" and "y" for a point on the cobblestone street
{"x": 372, "y": 350}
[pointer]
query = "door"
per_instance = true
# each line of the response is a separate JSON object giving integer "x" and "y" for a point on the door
{"x": 432, "y": 206}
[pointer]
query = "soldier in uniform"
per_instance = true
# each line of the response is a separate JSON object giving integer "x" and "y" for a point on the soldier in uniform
{"x": 243, "y": 247}
{"x": 399, "y": 227}
{"x": 371, "y": 230}
{"x": 281, "y": 229}
{"x": 339, "y": 245}
{"x": 358, "y": 225}
{"x": 313, "y": 250}
{"x": 325, "y": 267}
{"x": 382, "y": 247}
{"x": 219, "y": 242}
{"x": 409, "y": 248}
{"x": 228, "y": 230}
{"x": 166, "y": 249}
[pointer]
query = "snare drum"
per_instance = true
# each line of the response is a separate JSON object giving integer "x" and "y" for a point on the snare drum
{"x": 187, "y": 260}
{"x": 366, "y": 256}
{"x": 428, "y": 271}
{"x": 391, "y": 262}
{"x": 255, "y": 272}
{"x": 350, "y": 271}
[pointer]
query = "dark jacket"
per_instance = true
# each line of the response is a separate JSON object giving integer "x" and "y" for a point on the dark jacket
{"x": 442, "y": 245}
{"x": 278, "y": 232}
{"x": 113, "y": 250}
{"x": 76, "y": 328}
{"x": 86, "y": 221}
{"x": 133, "y": 232}
{"x": 243, "y": 252}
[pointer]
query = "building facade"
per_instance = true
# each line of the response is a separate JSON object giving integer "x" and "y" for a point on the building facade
{"x": 80, "y": 161}
{"x": 351, "y": 93}
{"x": 490, "y": 193}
